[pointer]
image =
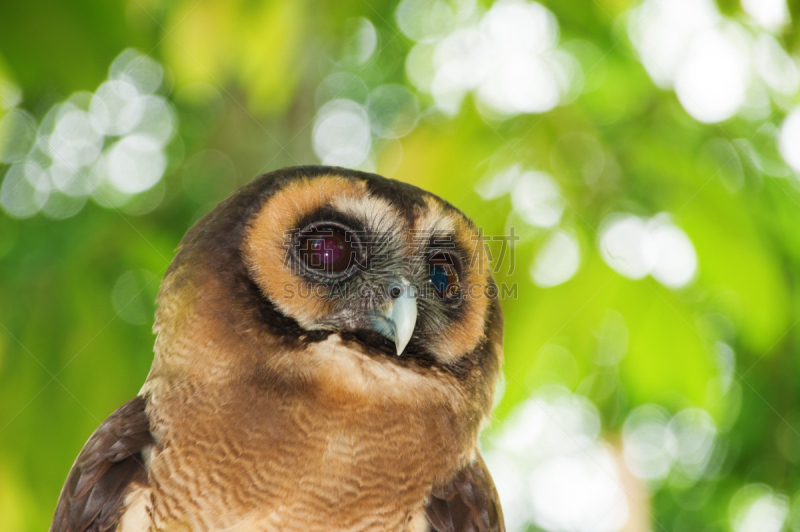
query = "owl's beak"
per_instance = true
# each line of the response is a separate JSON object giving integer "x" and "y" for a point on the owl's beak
{"x": 396, "y": 321}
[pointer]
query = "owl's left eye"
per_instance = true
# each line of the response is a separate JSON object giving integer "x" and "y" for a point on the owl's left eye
{"x": 326, "y": 249}
{"x": 443, "y": 274}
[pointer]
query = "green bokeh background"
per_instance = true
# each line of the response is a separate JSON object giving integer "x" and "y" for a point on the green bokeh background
{"x": 72, "y": 349}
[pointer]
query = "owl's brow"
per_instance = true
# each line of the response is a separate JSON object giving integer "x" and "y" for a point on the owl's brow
{"x": 443, "y": 239}
{"x": 367, "y": 236}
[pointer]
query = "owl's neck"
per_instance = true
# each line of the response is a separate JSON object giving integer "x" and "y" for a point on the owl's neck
{"x": 252, "y": 456}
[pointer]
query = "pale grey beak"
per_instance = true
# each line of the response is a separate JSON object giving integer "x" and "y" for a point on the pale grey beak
{"x": 396, "y": 320}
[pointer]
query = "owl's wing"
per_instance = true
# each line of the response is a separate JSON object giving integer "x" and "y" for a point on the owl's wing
{"x": 469, "y": 503}
{"x": 107, "y": 470}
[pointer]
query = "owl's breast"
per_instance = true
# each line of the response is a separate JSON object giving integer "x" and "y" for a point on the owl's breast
{"x": 246, "y": 458}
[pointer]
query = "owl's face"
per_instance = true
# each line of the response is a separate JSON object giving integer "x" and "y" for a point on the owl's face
{"x": 340, "y": 280}
{"x": 384, "y": 264}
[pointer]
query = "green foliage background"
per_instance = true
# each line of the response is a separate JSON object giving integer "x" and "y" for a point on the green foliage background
{"x": 68, "y": 358}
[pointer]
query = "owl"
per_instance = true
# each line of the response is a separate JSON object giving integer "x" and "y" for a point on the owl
{"x": 328, "y": 343}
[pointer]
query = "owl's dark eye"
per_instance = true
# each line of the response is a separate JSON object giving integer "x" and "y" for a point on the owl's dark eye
{"x": 326, "y": 249}
{"x": 443, "y": 272}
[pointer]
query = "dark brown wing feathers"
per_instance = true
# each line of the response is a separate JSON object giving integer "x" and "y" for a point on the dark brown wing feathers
{"x": 469, "y": 503}
{"x": 108, "y": 466}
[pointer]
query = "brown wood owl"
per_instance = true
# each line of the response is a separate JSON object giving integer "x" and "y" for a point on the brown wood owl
{"x": 327, "y": 351}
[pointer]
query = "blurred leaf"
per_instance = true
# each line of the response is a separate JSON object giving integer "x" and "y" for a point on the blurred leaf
{"x": 255, "y": 44}
{"x": 63, "y": 46}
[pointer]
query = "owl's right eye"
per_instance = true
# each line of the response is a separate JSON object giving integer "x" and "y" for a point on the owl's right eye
{"x": 326, "y": 249}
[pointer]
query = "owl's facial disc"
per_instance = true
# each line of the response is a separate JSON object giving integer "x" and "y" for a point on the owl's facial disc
{"x": 398, "y": 317}
{"x": 391, "y": 269}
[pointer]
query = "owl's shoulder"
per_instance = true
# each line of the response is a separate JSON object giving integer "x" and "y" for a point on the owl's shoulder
{"x": 107, "y": 487}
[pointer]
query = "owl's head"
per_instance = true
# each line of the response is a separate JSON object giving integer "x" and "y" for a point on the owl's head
{"x": 299, "y": 255}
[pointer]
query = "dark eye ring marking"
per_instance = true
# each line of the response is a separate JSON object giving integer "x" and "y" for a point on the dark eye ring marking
{"x": 444, "y": 269}
{"x": 328, "y": 249}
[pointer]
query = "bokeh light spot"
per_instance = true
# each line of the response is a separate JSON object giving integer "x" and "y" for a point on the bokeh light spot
{"x": 755, "y": 508}
{"x": 557, "y": 261}
{"x": 635, "y": 247}
{"x": 17, "y": 135}
{"x": 341, "y": 135}
{"x": 393, "y": 111}
{"x": 650, "y": 446}
{"x": 135, "y": 164}
{"x": 712, "y": 81}
{"x": 789, "y": 139}
{"x": 769, "y": 14}
{"x": 537, "y": 199}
